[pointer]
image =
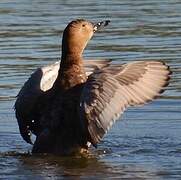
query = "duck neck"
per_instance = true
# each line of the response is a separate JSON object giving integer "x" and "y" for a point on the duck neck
{"x": 69, "y": 59}
{"x": 71, "y": 72}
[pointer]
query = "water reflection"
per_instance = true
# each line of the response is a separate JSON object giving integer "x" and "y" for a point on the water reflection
{"x": 63, "y": 166}
{"x": 48, "y": 166}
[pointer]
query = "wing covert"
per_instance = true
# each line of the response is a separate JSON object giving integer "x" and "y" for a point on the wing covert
{"x": 39, "y": 82}
{"x": 109, "y": 91}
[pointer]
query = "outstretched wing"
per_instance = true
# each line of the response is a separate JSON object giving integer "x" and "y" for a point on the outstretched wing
{"x": 33, "y": 90}
{"x": 109, "y": 91}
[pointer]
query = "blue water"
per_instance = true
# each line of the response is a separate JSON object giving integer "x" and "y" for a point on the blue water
{"x": 146, "y": 142}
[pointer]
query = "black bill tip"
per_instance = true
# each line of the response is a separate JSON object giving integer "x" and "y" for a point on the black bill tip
{"x": 101, "y": 24}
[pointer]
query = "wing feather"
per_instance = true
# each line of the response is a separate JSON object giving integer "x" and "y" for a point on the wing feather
{"x": 109, "y": 91}
{"x": 39, "y": 82}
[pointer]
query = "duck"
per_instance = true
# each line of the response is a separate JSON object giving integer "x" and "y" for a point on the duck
{"x": 71, "y": 104}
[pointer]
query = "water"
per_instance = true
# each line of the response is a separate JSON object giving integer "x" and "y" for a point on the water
{"x": 146, "y": 144}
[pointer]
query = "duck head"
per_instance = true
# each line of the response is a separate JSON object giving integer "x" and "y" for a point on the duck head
{"x": 77, "y": 34}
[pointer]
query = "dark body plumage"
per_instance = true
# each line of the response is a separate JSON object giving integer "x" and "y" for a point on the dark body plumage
{"x": 72, "y": 104}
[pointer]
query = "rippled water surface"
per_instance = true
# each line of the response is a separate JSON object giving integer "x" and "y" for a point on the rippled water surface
{"x": 146, "y": 144}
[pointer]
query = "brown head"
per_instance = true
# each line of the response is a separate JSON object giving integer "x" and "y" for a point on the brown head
{"x": 76, "y": 36}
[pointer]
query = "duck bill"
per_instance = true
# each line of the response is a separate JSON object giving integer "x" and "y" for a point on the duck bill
{"x": 100, "y": 25}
